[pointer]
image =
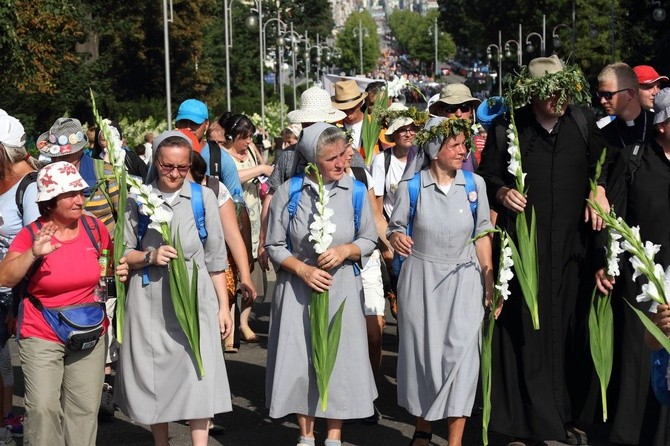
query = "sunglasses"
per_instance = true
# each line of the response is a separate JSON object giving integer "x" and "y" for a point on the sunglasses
{"x": 464, "y": 108}
{"x": 608, "y": 95}
{"x": 407, "y": 130}
{"x": 167, "y": 168}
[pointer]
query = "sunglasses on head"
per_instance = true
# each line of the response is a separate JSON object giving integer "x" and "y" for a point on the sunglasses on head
{"x": 608, "y": 95}
{"x": 464, "y": 108}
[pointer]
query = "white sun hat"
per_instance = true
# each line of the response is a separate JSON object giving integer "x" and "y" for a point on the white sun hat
{"x": 315, "y": 106}
{"x": 58, "y": 178}
{"x": 11, "y": 131}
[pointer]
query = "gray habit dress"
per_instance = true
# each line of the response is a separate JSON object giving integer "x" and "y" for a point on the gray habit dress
{"x": 157, "y": 379}
{"x": 290, "y": 379}
{"x": 440, "y": 299}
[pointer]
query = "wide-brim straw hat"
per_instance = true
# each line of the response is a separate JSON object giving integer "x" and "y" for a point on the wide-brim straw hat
{"x": 454, "y": 94}
{"x": 398, "y": 123}
{"x": 65, "y": 137}
{"x": 315, "y": 106}
{"x": 347, "y": 95}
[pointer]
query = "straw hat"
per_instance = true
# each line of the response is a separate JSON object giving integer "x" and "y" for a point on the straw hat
{"x": 541, "y": 66}
{"x": 347, "y": 95}
{"x": 58, "y": 178}
{"x": 65, "y": 137}
{"x": 11, "y": 131}
{"x": 453, "y": 94}
{"x": 315, "y": 106}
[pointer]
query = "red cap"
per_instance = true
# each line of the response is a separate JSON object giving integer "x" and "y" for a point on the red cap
{"x": 647, "y": 75}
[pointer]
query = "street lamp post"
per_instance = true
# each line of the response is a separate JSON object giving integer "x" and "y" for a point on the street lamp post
{"x": 519, "y": 52}
{"x": 294, "y": 39}
{"x": 227, "y": 29}
{"x": 434, "y": 30}
{"x": 556, "y": 39}
{"x": 360, "y": 41}
{"x": 166, "y": 37}
{"x": 529, "y": 46}
{"x": 261, "y": 57}
{"x": 498, "y": 48}
{"x": 280, "y": 44}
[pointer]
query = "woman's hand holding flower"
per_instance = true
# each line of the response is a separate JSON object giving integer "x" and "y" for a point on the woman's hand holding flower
{"x": 662, "y": 318}
{"x": 163, "y": 255}
{"x": 333, "y": 257}
{"x": 316, "y": 278}
{"x": 42, "y": 244}
{"x": 401, "y": 243}
{"x": 604, "y": 282}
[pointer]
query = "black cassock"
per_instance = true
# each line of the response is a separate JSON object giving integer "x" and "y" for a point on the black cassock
{"x": 636, "y": 415}
{"x": 540, "y": 377}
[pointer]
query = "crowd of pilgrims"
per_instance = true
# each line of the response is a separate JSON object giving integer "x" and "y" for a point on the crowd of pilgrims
{"x": 432, "y": 181}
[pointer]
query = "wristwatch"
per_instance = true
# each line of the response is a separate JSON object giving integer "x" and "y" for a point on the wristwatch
{"x": 147, "y": 257}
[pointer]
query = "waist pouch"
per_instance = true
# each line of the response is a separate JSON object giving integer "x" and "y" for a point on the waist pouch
{"x": 659, "y": 375}
{"x": 78, "y": 326}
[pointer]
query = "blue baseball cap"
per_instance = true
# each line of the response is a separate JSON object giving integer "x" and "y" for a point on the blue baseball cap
{"x": 193, "y": 110}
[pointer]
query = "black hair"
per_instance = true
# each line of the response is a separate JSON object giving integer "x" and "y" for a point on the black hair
{"x": 374, "y": 87}
{"x": 47, "y": 207}
{"x": 140, "y": 149}
{"x": 237, "y": 125}
{"x": 198, "y": 167}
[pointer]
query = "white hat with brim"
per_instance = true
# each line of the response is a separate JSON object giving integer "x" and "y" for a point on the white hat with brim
{"x": 11, "y": 131}
{"x": 56, "y": 179}
{"x": 65, "y": 137}
{"x": 315, "y": 106}
{"x": 662, "y": 106}
{"x": 398, "y": 123}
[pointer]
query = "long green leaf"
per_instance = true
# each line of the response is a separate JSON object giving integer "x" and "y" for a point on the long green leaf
{"x": 119, "y": 249}
{"x": 487, "y": 342}
{"x": 652, "y": 328}
{"x": 600, "y": 339}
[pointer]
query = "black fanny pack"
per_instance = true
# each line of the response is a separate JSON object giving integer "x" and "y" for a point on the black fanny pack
{"x": 78, "y": 326}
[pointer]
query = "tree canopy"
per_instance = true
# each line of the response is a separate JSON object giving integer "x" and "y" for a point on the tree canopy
{"x": 349, "y": 39}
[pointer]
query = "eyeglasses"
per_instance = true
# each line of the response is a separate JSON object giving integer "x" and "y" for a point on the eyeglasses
{"x": 407, "y": 131}
{"x": 464, "y": 108}
{"x": 608, "y": 95}
{"x": 167, "y": 168}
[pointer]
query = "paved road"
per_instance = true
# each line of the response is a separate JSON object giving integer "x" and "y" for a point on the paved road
{"x": 249, "y": 423}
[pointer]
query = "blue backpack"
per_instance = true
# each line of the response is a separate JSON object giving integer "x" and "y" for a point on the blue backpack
{"x": 413, "y": 187}
{"x": 198, "y": 207}
{"x": 295, "y": 188}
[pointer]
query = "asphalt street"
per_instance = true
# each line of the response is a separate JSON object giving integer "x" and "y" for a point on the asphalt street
{"x": 249, "y": 424}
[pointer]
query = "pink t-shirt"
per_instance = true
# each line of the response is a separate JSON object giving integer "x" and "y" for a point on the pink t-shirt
{"x": 67, "y": 276}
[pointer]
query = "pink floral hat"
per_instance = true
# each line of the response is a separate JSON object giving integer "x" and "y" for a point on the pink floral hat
{"x": 58, "y": 178}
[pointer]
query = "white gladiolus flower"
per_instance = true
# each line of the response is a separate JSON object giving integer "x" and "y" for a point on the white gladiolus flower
{"x": 322, "y": 229}
{"x": 154, "y": 199}
{"x": 505, "y": 274}
{"x": 395, "y": 87}
{"x": 650, "y": 249}
{"x": 161, "y": 215}
{"x": 637, "y": 266}
{"x": 513, "y": 166}
{"x": 155, "y": 225}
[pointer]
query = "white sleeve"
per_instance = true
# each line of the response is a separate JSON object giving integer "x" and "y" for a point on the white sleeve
{"x": 224, "y": 194}
{"x": 378, "y": 174}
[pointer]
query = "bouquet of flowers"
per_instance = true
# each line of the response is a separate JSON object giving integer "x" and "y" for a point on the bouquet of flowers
{"x": 184, "y": 293}
{"x": 524, "y": 251}
{"x": 657, "y": 288}
{"x": 325, "y": 336}
{"x": 117, "y": 157}
{"x": 500, "y": 293}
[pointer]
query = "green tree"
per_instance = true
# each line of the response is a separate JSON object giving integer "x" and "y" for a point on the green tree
{"x": 360, "y": 26}
{"x": 414, "y": 34}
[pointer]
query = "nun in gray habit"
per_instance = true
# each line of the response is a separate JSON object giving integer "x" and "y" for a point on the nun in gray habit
{"x": 290, "y": 378}
{"x": 442, "y": 283}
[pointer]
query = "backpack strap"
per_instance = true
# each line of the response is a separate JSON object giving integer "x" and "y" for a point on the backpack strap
{"x": 86, "y": 220}
{"x": 471, "y": 193}
{"x": 214, "y": 159}
{"x": 358, "y": 198}
{"x": 294, "y": 190}
{"x": 26, "y": 181}
{"x": 580, "y": 120}
{"x": 387, "y": 161}
{"x": 214, "y": 184}
{"x": 634, "y": 154}
{"x": 198, "y": 207}
{"x": 359, "y": 174}
{"x": 413, "y": 186}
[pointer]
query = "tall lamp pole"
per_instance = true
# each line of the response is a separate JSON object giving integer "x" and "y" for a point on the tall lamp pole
{"x": 498, "y": 48}
{"x": 166, "y": 37}
{"x": 437, "y": 72}
{"x": 360, "y": 43}
{"x": 227, "y": 29}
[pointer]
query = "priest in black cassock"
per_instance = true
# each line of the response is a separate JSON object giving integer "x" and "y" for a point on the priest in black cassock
{"x": 536, "y": 374}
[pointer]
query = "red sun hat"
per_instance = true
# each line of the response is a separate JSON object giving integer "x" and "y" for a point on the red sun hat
{"x": 647, "y": 75}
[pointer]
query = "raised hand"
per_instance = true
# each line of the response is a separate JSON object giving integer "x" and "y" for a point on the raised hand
{"x": 42, "y": 245}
